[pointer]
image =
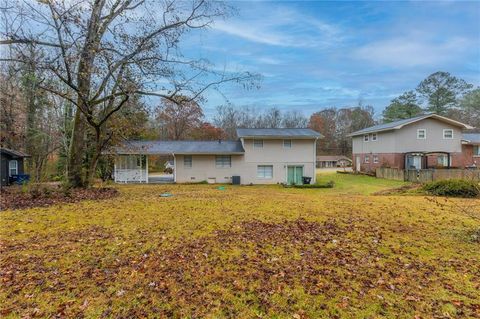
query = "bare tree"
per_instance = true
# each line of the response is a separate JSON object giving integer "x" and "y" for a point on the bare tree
{"x": 180, "y": 117}
{"x": 106, "y": 52}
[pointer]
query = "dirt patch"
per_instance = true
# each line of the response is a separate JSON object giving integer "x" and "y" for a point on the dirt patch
{"x": 399, "y": 190}
{"x": 17, "y": 198}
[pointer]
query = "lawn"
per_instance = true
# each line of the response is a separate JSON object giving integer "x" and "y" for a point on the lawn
{"x": 242, "y": 252}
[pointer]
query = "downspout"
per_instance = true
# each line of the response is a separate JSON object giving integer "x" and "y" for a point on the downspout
{"x": 146, "y": 162}
{"x": 174, "y": 168}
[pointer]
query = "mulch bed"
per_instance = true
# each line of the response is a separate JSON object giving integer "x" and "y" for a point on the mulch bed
{"x": 15, "y": 198}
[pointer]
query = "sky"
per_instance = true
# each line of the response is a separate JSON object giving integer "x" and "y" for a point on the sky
{"x": 312, "y": 55}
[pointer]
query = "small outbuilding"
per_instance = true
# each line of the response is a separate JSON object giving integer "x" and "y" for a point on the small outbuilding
{"x": 11, "y": 165}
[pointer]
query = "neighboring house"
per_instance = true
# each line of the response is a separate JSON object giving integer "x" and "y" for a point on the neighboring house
{"x": 471, "y": 149}
{"x": 11, "y": 165}
{"x": 259, "y": 156}
{"x": 420, "y": 142}
{"x": 324, "y": 161}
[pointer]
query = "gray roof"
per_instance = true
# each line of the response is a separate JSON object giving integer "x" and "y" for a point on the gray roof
{"x": 13, "y": 153}
{"x": 278, "y": 132}
{"x": 471, "y": 138}
{"x": 180, "y": 147}
{"x": 401, "y": 123}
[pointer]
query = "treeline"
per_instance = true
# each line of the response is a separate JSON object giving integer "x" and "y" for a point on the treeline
{"x": 440, "y": 93}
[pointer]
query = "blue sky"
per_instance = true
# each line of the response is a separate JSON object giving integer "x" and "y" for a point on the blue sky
{"x": 314, "y": 55}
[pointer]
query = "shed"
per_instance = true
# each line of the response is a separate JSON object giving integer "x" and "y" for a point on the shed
{"x": 11, "y": 164}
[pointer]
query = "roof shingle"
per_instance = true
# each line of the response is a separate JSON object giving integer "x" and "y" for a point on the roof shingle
{"x": 278, "y": 132}
{"x": 180, "y": 147}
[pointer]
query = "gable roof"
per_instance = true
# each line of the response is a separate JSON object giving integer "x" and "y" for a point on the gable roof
{"x": 396, "y": 125}
{"x": 471, "y": 138}
{"x": 180, "y": 147}
{"x": 297, "y": 133}
{"x": 13, "y": 152}
{"x": 322, "y": 158}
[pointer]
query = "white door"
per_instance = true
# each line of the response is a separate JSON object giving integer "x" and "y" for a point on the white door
{"x": 357, "y": 163}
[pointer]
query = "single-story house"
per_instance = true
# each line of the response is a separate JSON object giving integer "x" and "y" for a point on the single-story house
{"x": 11, "y": 165}
{"x": 325, "y": 161}
{"x": 258, "y": 156}
{"x": 425, "y": 141}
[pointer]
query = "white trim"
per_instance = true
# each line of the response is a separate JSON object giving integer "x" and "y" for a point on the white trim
{"x": 10, "y": 162}
{"x": 447, "y": 138}
{"x": 175, "y": 168}
{"x": 424, "y": 134}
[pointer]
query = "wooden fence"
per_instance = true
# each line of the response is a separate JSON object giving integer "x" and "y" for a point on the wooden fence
{"x": 427, "y": 175}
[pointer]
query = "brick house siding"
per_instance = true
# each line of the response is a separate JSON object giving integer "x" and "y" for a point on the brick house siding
{"x": 397, "y": 160}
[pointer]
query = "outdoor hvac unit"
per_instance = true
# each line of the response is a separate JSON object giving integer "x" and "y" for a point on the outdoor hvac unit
{"x": 236, "y": 180}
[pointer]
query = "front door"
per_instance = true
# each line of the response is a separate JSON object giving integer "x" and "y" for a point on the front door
{"x": 294, "y": 175}
{"x": 358, "y": 162}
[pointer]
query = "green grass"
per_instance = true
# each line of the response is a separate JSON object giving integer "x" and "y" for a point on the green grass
{"x": 243, "y": 252}
{"x": 356, "y": 184}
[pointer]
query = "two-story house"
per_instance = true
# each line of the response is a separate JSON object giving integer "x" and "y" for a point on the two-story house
{"x": 259, "y": 156}
{"x": 420, "y": 142}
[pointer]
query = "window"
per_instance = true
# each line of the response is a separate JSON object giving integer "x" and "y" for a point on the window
{"x": 265, "y": 171}
{"x": 448, "y": 134}
{"x": 222, "y": 161}
{"x": 365, "y": 138}
{"x": 287, "y": 143}
{"x": 13, "y": 167}
{"x": 421, "y": 134}
{"x": 367, "y": 159}
{"x": 375, "y": 158}
{"x": 476, "y": 150}
{"x": 187, "y": 161}
{"x": 442, "y": 160}
{"x": 374, "y": 136}
{"x": 257, "y": 143}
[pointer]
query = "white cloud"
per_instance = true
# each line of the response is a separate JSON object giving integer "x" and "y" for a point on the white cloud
{"x": 412, "y": 51}
{"x": 283, "y": 27}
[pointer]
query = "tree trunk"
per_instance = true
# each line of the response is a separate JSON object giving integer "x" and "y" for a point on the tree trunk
{"x": 76, "y": 152}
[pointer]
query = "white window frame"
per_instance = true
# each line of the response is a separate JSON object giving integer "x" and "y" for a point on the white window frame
{"x": 477, "y": 153}
{"x": 366, "y": 160}
{"x": 187, "y": 161}
{"x": 447, "y": 138}
{"x": 366, "y": 137}
{"x": 261, "y": 171}
{"x": 375, "y": 159}
{"x": 12, "y": 167}
{"x": 289, "y": 146}
{"x": 223, "y": 163}
{"x": 374, "y": 137}
{"x": 424, "y": 134}
{"x": 260, "y": 141}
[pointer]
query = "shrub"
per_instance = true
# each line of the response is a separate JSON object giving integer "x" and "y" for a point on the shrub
{"x": 329, "y": 184}
{"x": 453, "y": 188}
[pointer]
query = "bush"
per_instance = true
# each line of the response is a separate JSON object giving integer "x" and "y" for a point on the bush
{"x": 453, "y": 188}
{"x": 329, "y": 184}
